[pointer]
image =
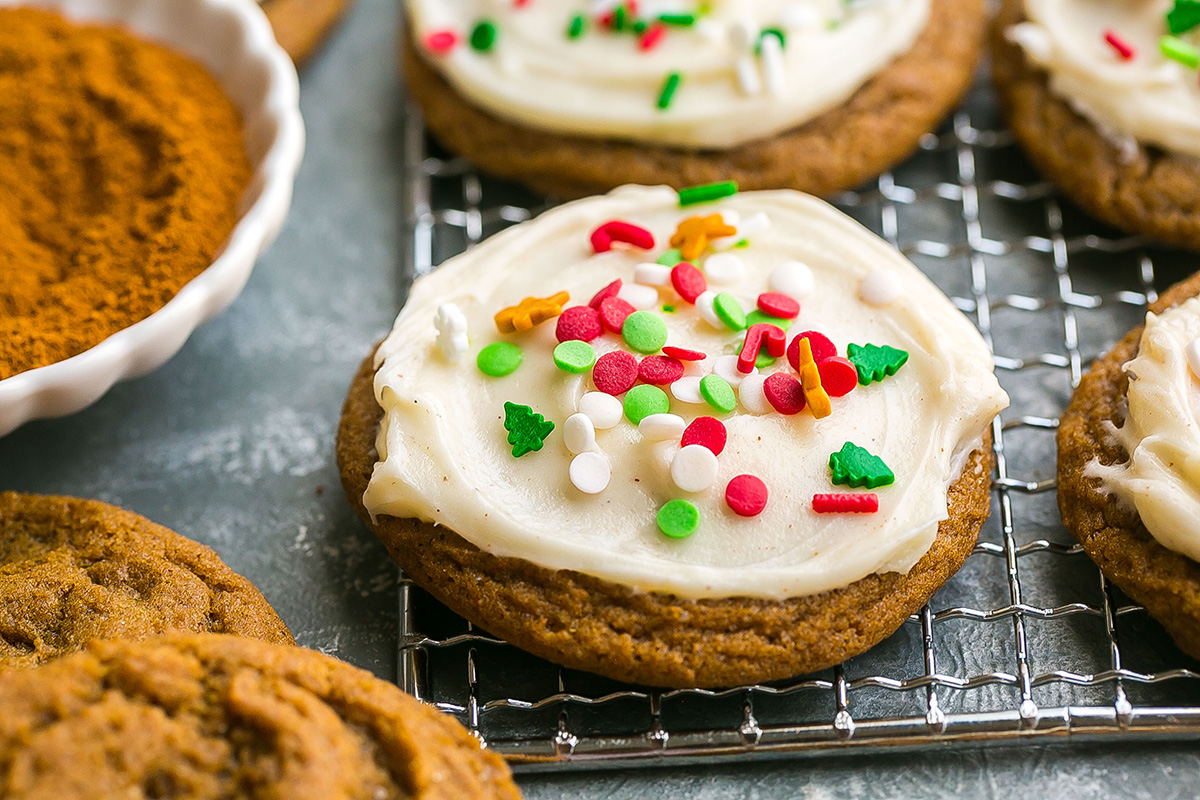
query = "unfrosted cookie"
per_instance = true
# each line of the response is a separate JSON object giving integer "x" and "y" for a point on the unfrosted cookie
{"x": 74, "y": 570}
{"x": 209, "y": 716}
{"x": 301, "y": 26}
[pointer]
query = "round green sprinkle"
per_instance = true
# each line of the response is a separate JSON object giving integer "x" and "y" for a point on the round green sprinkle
{"x": 574, "y": 356}
{"x": 499, "y": 359}
{"x": 757, "y": 315}
{"x": 670, "y": 258}
{"x": 575, "y": 29}
{"x": 730, "y": 311}
{"x": 643, "y": 400}
{"x": 644, "y": 331}
{"x": 717, "y": 392}
{"x": 707, "y": 193}
{"x": 667, "y": 95}
{"x": 679, "y": 518}
{"x": 483, "y": 36}
{"x": 764, "y": 360}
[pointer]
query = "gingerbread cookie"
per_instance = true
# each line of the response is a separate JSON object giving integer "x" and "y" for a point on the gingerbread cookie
{"x": 1104, "y": 98}
{"x": 302, "y": 26}
{"x": 738, "y": 468}
{"x": 208, "y": 716}
{"x": 817, "y": 95}
{"x": 1137, "y": 516}
{"x": 75, "y": 570}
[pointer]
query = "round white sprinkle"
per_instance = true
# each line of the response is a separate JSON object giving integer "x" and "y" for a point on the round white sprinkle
{"x": 451, "y": 326}
{"x": 661, "y": 427}
{"x": 754, "y": 224}
{"x": 650, "y": 274}
{"x": 604, "y": 410}
{"x": 639, "y": 296}
{"x": 694, "y": 468}
{"x": 793, "y": 279}
{"x": 724, "y": 269}
{"x": 727, "y": 368}
{"x": 579, "y": 434}
{"x": 880, "y": 288}
{"x": 1192, "y": 352}
{"x": 590, "y": 472}
{"x": 704, "y": 306}
{"x": 752, "y": 396}
{"x": 687, "y": 390}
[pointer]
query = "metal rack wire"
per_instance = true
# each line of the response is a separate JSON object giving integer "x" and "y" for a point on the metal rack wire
{"x": 1027, "y": 642}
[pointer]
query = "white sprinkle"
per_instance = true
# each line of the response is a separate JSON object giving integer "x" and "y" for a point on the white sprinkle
{"x": 694, "y": 468}
{"x": 747, "y": 76}
{"x": 880, "y": 288}
{"x": 793, "y": 279}
{"x": 639, "y": 296}
{"x": 752, "y": 396}
{"x": 772, "y": 64}
{"x": 727, "y": 368}
{"x": 730, "y": 217}
{"x": 1192, "y": 352}
{"x": 650, "y": 274}
{"x": 604, "y": 410}
{"x": 661, "y": 427}
{"x": 451, "y": 326}
{"x": 590, "y": 473}
{"x": 579, "y": 434}
{"x": 724, "y": 269}
{"x": 704, "y": 306}
{"x": 742, "y": 34}
{"x": 754, "y": 224}
{"x": 687, "y": 390}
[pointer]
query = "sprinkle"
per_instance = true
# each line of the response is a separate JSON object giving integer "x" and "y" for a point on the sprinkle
{"x": 668, "y": 308}
{"x": 451, "y": 327}
{"x": 758, "y": 336}
{"x": 579, "y": 433}
{"x": 752, "y": 394}
{"x": 441, "y": 41}
{"x": 669, "y": 87}
{"x": 746, "y": 69}
{"x": 819, "y": 345}
{"x": 729, "y": 311}
{"x": 746, "y": 495}
{"x": 608, "y": 291}
{"x": 530, "y": 312}
{"x": 742, "y": 33}
{"x": 717, "y": 392}
{"x": 687, "y": 390}
{"x": 574, "y": 356}
{"x": 660, "y": 370}
{"x": 499, "y": 359}
{"x": 683, "y": 354}
{"x": 694, "y": 468}
{"x": 838, "y": 376}
{"x": 855, "y": 467}
{"x": 727, "y": 368}
{"x": 642, "y": 401}
{"x": 1184, "y": 16}
{"x": 652, "y": 274}
{"x": 724, "y": 268}
{"x": 1123, "y": 48}
{"x": 784, "y": 393}
{"x": 778, "y": 305}
{"x": 613, "y": 313}
{"x": 590, "y": 473}
{"x": 814, "y": 392}
{"x": 880, "y": 288}
{"x": 604, "y": 410}
{"x": 661, "y": 427}
{"x": 576, "y": 26}
{"x": 864, "y": 503}
{"x": 707, "y": 311}
{"x": 527, "y": 431}
{"x": 1179, "y": 50}
{"x": 777, "y": 33}
{"x": 651, "y": 37}
{"x": 793, "y": 279}
{"x": 688, "y": 281}
{"x": 754, "y": 224}
{"x": 670, "y": 258}
{"x": 874, "y": 362}
{"x": 580, "y": 323}
{"x": 683, "y": 20}
{"x": 644, "y": 331}
{"x": 615, "y": 372}
{"x": 618, "y": 231}
{"x": 678, "y": 519}
{"x": 707, "y": 431}
{"x": 771, "y": 55}
{"x": 639, "y": 296}
{"x": 483, "y": 36}
{"x": 694, "y": 233}
{"x": 707, "y": 193}
{"x": 757, "y": 317}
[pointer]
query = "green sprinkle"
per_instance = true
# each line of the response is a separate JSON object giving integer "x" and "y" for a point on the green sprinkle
{"x": 670, "y": 258}
{"x": 679, "y": 518}
{"x": 643, "y": 400}
{"x": 777, "y": 33}
{"x": 576, "y": 27}
{"x": 742, "y": 244}
{"x": 707, "y": 193}
{"x": 757, "y": 315}
{"x": 1184, "y": 16}
{"x": 874, "y": 363}
{"x": 686, "y": 20}
{"x": 764, "y": 360}
{"x": 527, "y": 431}
{"x": 667, "y": 95}
{"x": 644, "y": 331}
{"x": 1180, "y": 51}
{"x": 574, "y": 356}
{"x": 483, "y": 36}
{"x": 668, "y": 309}
{"x": 855, "y": 467}
{"x": 640, "y": 26}
{"x": 717, "y": 392}
{"x": 619, "y": 17}
{"x": 499, "y": 359}
{"x": 730, "y": 311}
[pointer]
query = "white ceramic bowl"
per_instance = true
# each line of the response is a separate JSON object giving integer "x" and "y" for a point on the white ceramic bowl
{"x": 233, "y": 39}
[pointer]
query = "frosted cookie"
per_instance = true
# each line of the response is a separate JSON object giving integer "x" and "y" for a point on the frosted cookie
{"x": 576, "y": 98}
{"x": 693, "y": 438}
{"x": 1104, "y": 96}
{"x": 1128, "y": 456}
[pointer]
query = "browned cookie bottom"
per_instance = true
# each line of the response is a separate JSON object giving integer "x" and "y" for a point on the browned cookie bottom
{"x": 652, "y": 638}
{"x": 206, "y": 716}
{"x": 1165, "y": 582}
{"x": 74, "y": 570}
{"x": 1156, "y": 194}
{"x": 301, "y": 26}
{"x": 877, "y": 127}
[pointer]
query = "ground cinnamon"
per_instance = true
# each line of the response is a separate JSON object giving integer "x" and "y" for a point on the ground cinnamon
{"x": 121, "y": 166}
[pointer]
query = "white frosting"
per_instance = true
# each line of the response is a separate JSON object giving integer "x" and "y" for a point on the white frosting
{"x": 1150, "y": 97}
{"x": 1162, "y": 477}
{"x": 601, "y": 84}
{"x": 445, "y": 459}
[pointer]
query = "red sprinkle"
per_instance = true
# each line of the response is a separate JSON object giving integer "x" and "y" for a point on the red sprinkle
{"x": 660, "y": 370}
{"x": 613, "y": 311}
{"x": 688, "y": 281}
{"x": 758, "y": 335}
{"x": 784, "y": 393}
{"x": 822, "y": 348}
{"x": 778, "y": 305}
{"x": 441, "y": 41}
{"x": 1123, "y": 48}
{"x": 863, "y": 503}
{"x": 581, "y": 323}
{"x": 652, "y": 36}
{"x": 608, "y": 291}
{"x": 615, "y": 373}
{"x": 838, "y": 376}
{"x": 746, "y": 495}
{"x": 607, "y": 234}
{"x": 683, "y": 354}
{"x": 707, "y": 431}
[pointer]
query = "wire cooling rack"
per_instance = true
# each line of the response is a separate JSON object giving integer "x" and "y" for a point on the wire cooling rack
{"x": 1027, "y": 642}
